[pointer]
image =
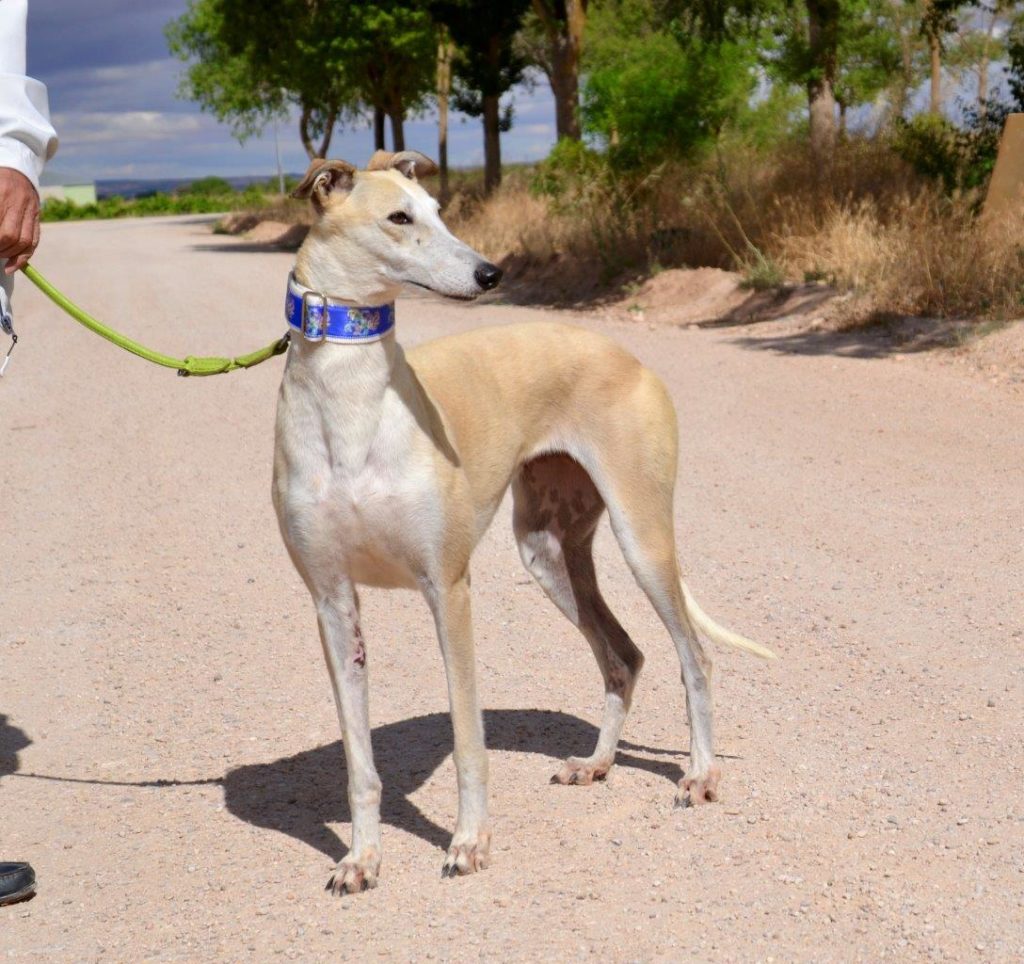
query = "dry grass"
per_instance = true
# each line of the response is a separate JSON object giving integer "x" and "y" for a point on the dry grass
{"x": 871, "y": 227}
{"x": 923, "y": 255}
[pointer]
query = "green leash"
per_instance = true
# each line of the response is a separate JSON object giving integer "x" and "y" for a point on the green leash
{"x": 185, "y": 366}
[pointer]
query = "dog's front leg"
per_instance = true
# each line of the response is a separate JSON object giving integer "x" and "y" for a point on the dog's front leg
{"x": 471, "y": 842}
{"x": 345, "y": 651}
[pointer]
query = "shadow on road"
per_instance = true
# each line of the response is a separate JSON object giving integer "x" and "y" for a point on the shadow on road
{"x": 883, "y": 337}
{"x": 241, "y": 247}
{"x": 299, "y": 795}
{"x": 12, "y": 740}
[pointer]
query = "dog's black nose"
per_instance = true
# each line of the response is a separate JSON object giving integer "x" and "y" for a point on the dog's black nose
{"x": 487, "y": 275}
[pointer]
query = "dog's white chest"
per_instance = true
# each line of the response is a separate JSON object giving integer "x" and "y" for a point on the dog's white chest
{"x": 348, "y": 503}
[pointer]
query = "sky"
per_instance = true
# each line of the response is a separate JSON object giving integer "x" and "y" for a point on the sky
{"x": 112, "y": 87}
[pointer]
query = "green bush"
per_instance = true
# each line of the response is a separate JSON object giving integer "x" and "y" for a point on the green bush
{"x": 569, "y": 166}
{"x": 960, "y": 158}
{"x": 146, "y": 206}
{"x": 208, "y": 187}
{"x": 655, "y": 89}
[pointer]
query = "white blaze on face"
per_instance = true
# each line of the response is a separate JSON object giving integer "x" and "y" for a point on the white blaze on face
{"x": 421, "y": 252}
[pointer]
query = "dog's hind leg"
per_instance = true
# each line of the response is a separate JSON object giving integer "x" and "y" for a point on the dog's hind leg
{"x": 635, "y": 474}
{"x": 557, "y": 509}
{"x": 643, "y": 526}
{"x": 345, "y": 651}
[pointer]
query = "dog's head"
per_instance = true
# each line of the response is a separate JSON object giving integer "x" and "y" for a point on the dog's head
{"x": 380, "y": 227}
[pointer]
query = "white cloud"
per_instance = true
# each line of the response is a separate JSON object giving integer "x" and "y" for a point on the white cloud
{"x": 119, "y": 127}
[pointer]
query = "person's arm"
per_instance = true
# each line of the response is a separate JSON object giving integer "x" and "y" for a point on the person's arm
{"x": 27, "y": 140}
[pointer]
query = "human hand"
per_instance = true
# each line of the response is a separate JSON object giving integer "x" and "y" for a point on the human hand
{"x": 19, "y": 218}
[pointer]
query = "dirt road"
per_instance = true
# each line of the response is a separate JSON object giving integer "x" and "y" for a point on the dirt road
{"x": 169, "y": 753}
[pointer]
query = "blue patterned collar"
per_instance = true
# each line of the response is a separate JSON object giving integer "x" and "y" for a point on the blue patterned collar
{"x": 319, "y": 318}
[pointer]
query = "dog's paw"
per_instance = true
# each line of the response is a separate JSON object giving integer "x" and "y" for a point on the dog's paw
{"x": 577, "y": 771}
{"x": 467, "y": 855}
{"x": 699, "y": 788}
{"x": 355, "y": 874}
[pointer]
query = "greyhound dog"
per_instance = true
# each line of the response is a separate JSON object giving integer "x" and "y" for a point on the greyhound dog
{"x": 390, "y": 466}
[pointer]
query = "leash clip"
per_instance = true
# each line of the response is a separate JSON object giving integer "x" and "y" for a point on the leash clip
{"x": 7, "y": 357}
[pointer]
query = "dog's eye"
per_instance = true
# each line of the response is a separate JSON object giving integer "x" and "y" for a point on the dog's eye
{"x": 400, "y": 217}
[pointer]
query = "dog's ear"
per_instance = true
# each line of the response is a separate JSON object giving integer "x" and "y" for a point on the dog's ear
{"x": 412, "y": 164}
{"x": 324, "y": 178}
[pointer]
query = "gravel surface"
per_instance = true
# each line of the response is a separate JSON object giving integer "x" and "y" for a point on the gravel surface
{"x": 169, "y": 752}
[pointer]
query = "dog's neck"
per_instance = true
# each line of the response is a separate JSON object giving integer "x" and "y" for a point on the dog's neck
{"x": 355, "y": 375}
{"x": 346, "y": 279}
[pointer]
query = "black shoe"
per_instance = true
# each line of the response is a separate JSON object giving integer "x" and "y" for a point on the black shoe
{"x": 17, "y": 882}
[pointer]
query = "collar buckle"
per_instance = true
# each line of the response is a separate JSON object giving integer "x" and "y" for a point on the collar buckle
{"x": 314, "y": 316}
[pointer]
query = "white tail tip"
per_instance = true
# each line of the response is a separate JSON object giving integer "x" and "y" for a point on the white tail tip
{"x": 719, "y": 634}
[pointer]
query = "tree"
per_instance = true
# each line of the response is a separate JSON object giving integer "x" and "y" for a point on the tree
{"x": 562, "y": 23}
{"x": 869, "y": 57}
{"x": 939, "y": 19}
{"x": 658, "y": 86}
{"x": 389, "y": 52}
{"x": 331, "y": 58}
{"x": 843, "y": 53}
{"x": 1015, "y": 56}
{"x": 822, "y": 50}
{"x": 904, "y": 20}
{"x": 980, "y": 41}
{"x": 486, "y": 66}
{"x": 445, "y": 53}
{"x": 249, "y": 63}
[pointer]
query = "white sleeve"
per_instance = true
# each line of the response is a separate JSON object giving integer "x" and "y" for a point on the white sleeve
{"x": 27, "y": 139}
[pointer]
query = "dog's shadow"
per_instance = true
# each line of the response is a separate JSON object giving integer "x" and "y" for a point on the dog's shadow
{"x": 301, "y": 795}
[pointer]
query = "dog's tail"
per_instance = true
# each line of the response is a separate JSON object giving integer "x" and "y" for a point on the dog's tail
{"x": 719, "y": 634}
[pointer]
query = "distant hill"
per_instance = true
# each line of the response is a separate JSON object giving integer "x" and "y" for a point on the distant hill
{"x": 139, "y": 187}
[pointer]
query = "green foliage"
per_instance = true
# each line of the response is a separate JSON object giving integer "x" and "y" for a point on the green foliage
{"x": 771, "y": 120}
{"x": 863, "y": 48}
{"x": 487, "y": 62}
{"x": 208, "y": 186}
{"x": 230, "y": 78}
{"x": 761, "y": 272}
{"x": 569, "y": 165}
{"x": 868, "y": 55}
{"x": 208, "y": 195}
{"x": 657, "y": 89}
{"x": 333, "y": 58}
{"x": 960, "y": 158}
{"x": 1015, "y": 55}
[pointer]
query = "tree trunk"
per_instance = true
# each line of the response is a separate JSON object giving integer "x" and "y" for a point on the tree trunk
{"x": 983, "y": 67}
{"x": 983, "y": 86}
{"x": 906, "y": 79}
{"x": 378, "y": 129}
{"x": 822, "y": 36}
{"x": 565, "y": 42}
{"x": 565, "y": 86}
{"x": 935, "y": 95}
{"x": 397, "y": 118}
{"x": 842, "y": 121}
{"x": 492, "y": 143}
{"x": 445, "y": 52}
{"x": 304, "y": 132}
{"x": 325, "y": 143}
